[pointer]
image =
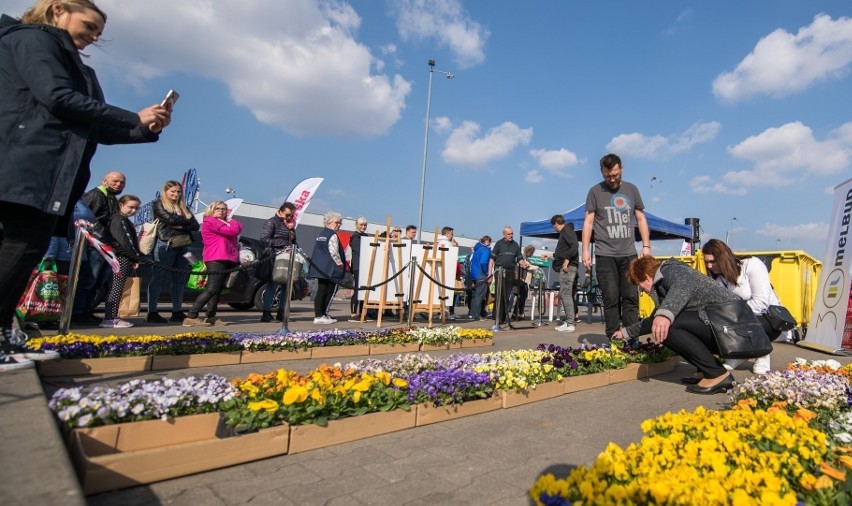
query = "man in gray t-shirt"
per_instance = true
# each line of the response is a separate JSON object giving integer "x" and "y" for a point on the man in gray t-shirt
{"x": 610, "y": 209}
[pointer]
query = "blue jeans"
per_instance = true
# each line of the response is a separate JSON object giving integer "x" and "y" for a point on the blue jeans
{"x": 167, "y": 257}
{"x": 269, "y": 296}
{"x": 620, "y": 298}
{"x": 480, "y": 291}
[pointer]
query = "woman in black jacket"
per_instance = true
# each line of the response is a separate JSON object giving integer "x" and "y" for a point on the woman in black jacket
{"x": 174, "y": 234}
{"x": 121, "y": 236}
{"x": 52, "y": 117}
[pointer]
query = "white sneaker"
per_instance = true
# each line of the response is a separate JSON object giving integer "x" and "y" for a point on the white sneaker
{"x": 11, "y": 363}
{"x": 732, "y": 363}
{"x": 565, "y": 327}
{"x": 324, "y": 320}
{"x": 115, "y": 324}
{"x": 329, "y": 319}
{"x": 761, "y": 365}
{"x": 27, "y": 354}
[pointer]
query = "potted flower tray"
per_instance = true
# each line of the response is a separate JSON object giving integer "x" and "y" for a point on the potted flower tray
{"x": 84, "y": 366}
{"x": 132, "y": 436}
{"x": 434, "y": 347}
{"x": 101, "y": 467}
{"x": 347, "y": 350}
{"x": 549, "y": 390}
{"x": 343, "y": 430}
{"x": 585, "y": 382}
{"x": 254, "y": 357}
{"x": 390, "y": 349}
{"x": 163, "y": 362}
{"x": 428, "y": 414}
{"x": 663, "y": 367}
{"x": 630, "y": 372}
{"x": 476, "y": 343}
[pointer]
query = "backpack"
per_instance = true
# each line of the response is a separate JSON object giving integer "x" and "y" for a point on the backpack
{"x": 466, "y": 269}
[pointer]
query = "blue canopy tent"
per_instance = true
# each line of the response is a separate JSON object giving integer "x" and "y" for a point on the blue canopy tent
{"x": 660, "y": 229}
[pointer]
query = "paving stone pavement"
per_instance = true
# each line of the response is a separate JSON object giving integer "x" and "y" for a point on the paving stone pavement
{"x": 492, "y": 458}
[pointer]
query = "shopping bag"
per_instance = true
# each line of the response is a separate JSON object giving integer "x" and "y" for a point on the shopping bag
{"x": 148, "y": 236}
{"x": 42, "y": 300}
{"x": 129, "y": 304}
{"x": 737, "y": 331}
{"x": 197, "y": 281}
{"x": 237, "y": 281}
{"x": 281, "y": 266}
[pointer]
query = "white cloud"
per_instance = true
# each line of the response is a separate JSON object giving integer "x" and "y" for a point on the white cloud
{"x": 463, "y": 147}
{"x": 534, "y": 177}
{"x": 782, "y": 63}
{"x": 295, "y": 65}
{"x": 442, "y": 124}
{"x": 705, "y": 184}
{"x": 448, "y": 23}
{"x": 657, "y": 146}
{"x": 555, "y": 161}
{"x": 797, "y": 233}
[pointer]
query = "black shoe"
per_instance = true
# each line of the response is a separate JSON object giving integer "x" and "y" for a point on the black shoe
{"x": 722, "y": 387}
{"x": 155, "y": 318}
{"x": 690, "y": 380}
{"x": 177, "y": 317}
{"x": 279, "y": 316}
{"x": 266, "y": 317}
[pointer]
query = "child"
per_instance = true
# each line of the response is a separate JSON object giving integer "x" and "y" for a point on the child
{"x": 121, "y": 236}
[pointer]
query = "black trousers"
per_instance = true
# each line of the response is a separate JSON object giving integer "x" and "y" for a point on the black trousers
{"x": 620, "y": 298}
{"x": 326, "y": 289}
{"x": 690, "y": 338}
{"x": 213, "y": 290}
{"x": 25, "y": 236}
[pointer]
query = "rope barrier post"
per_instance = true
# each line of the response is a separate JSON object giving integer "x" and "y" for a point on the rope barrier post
{"x": 498, "y": 298}
{"x": 286, "y": 296}
{"x": 73, "y": 275}
{"x": 410, "y": 316}
{"x": 541, "y": 298}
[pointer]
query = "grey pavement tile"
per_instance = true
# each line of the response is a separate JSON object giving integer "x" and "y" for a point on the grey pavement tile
{"x": 402, "y": 493}
{"x": 348, "y": 480}
{"x": 271, "y": 498}
{"x": 486, "y": 489}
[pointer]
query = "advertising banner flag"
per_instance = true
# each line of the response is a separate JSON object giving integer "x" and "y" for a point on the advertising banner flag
{"x": 302, "y": 194}
{"x": 829, "y": 315}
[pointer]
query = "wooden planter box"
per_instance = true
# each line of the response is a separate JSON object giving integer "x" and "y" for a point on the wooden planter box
{"x": 349, "y": 350}
{"x": 344, "y": 430}
{"x": 629, "y": 373}
{"x": 254, "y": 357}
{"x": 133, "y": 436}
{"x": 541, "y": 392}
{"x": 390, "y": 349}
{"x": 83, "y": 366}
{"x": 476, "y": 343}
{"x": 585, "y": 382}
{"x": 101, "y": 467}
{"x": 664, "y": 367}
{"x": 164, "y": 362}
{"x": 428, "y": 414}
{"x": 434, "y": 347}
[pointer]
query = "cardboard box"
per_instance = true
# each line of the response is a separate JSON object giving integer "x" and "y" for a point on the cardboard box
{"x": 102, "y": 468}
{"x": 476, "y": 343}
{"x": 428, "y": 414}
{"x": 434, "y": 347}
{"x": 133, "y": 436}
{"x": 541, "y": 392}
{"x": 585, "y": 382}
{"x": 663, "y": 367}
{"x": 254, "y": 357}
{"x": 393, "y": 349}
{"x": 629, "y": 373}
{"x": 349, "y": 350}
{"x": 164, "y": 362}
{"x": 310, "y": 437}
{"x": 84, "y": 366}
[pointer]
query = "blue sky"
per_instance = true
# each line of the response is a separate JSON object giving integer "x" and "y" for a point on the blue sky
{"x": 738, "y": 109}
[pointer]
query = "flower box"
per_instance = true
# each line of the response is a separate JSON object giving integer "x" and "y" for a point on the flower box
{"x": 434, "y": 347}
{"x": 253, "y": 357}
{"x": 83, "y": 366}
{"x": 428, "y": 414}
{"x": 348, "y": 350}
{"x": 344, "y": 430}
{"x": 663, "y": 367}
{"x": 101, "y": 467}
{"x": 389, "y": 349}
{"x": 585, "y": 382}
{"x": 629, "y": 373}
{"x": 163, "y": 362}
{"x": 133, "y": 436}
{"x": 476, "y": 343}
{"x": 541, "y": 392}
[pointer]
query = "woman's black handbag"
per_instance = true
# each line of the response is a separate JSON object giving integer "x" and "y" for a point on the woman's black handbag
{"x": 263, "y": 270}
{"x": 737, "y": 331}
{"x": 779, "y": 318}
{"x": 237, "y": 281}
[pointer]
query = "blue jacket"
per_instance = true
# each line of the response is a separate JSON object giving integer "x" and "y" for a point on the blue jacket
{"x": 52, "y": 117}
{"x": 323, "y": 265}
{"x": 479, "y": 262}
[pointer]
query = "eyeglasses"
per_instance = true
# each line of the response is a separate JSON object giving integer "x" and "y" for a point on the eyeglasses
{"x": 612, "y": 177}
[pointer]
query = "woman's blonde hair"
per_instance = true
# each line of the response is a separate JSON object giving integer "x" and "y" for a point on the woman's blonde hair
{"x": 167, "y": 204}
{"x": 212, "y": 207}
{"x": 42, "y": 11}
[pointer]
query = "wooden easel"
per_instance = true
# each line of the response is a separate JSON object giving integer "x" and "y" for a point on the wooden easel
{"x": 384, "y": 301}
{"x": 432, "y": 263}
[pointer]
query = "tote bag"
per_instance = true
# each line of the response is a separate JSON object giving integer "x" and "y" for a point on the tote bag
{"x": 148, "y": 236}
{"x": 737, "y": 331}
{"x": 129, "y": 304}
{"x": 42, "y": 300}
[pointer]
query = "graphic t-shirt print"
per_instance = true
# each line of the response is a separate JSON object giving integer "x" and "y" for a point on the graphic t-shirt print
{"x": 619, "y": 223}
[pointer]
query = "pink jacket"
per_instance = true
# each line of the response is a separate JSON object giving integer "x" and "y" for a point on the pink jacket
{"x": 221, "y": 239}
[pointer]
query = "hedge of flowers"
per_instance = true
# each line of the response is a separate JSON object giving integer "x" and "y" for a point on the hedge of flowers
{"x": 326, "y": 393}
{"x": 95, "y": 346}
{"x": 783, "y": 441}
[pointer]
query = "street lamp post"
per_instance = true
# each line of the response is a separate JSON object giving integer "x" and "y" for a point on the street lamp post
{"x": 730, "y": 232}
{"x": 426, "y": 145}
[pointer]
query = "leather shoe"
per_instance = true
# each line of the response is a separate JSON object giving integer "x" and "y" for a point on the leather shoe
{"x": 690, "y": 380}
{"x": 266, "y": 316}
{"x": 721, "y": 387}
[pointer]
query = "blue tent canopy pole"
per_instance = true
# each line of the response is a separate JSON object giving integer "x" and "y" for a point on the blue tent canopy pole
{"x": 659, "y": 228}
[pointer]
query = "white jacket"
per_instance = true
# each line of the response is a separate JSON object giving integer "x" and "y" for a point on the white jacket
{"x": 753, "y": 286}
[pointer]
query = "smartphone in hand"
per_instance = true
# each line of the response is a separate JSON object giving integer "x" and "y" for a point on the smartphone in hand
{"x": 169, "y": 102}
